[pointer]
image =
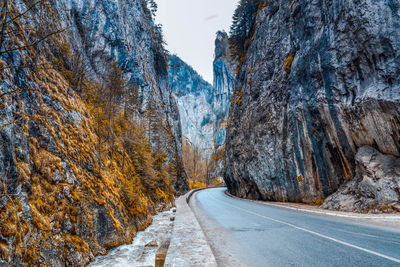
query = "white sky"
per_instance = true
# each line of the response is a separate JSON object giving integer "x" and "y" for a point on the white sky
{"x": 190, "y": 26}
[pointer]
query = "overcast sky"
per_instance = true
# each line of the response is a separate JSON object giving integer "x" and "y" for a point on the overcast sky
{"x": 190, "y": 26}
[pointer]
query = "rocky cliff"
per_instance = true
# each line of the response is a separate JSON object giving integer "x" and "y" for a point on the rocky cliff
{"x": 375, "y": 186}
{"x": 224, "y": 82}
{"x": 194, "y": 97}
{"x": 204, "y": 108}
{"x": 318, "y": 81}
{"x": 67, "y": 195}
{"x": 125, "y": 31}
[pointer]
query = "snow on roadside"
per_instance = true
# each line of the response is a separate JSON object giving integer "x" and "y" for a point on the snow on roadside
{"x": 137, "y": 254}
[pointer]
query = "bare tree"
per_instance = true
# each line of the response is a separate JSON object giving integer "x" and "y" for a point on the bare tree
{"x": 16, "y": 33}
{"x": 24, "y": 31}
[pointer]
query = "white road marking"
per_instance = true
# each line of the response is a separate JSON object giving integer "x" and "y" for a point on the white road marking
{"x": 331, "y": 213}
{"x": 315, "y": 233}
{"x": 372, "y": 236}
{"x": 334, "y": 213}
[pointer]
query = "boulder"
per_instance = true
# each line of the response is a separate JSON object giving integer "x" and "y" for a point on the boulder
{"x": 375, "y": 187}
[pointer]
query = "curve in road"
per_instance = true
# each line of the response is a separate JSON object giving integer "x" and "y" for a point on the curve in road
{"x": 244, "y": 233}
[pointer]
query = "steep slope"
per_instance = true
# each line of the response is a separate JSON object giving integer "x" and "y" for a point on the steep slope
{"x": 67, "y": 195}
{"x": 127, "y": 33}
{"x": 204, "y": 108}
{"x": 194, "y": 98}
{"x": 319, "y": 81}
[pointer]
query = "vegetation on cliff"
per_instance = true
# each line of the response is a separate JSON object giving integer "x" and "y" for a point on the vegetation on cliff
{"x": 84, "y": 165}
{"x": 242, "y": 27}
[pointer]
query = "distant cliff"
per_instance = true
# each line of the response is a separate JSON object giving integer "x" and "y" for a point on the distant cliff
{"x": 204, "y": 108}
{"x": 194, "y": 98}
{"x": 224, "y": 82}
{"x": 316, "y": 83}
{"x": 90, "y": 135}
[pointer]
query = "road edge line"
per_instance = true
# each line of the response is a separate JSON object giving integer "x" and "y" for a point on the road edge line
{"x": 329, "y": 213}
{"x": 190, "y": 194}
{"x": 322, "y": 235}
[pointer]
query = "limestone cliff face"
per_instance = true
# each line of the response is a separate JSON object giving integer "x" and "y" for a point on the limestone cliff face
{"x": 319, "y": 81}
{"x": 204, "y": 108}
{"x": 60, "y": 203}
{"x": 224, "y": 82}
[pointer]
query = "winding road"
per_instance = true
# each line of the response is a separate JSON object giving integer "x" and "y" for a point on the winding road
{"x": 244, "y": 233}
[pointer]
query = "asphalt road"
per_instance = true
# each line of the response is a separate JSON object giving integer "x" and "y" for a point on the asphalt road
{"x": 243, "y": 233}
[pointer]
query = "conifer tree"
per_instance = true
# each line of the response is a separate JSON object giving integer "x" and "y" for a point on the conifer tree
{"x": 153, "y": 7}
{"x": 153, "y": 120}
{"x": 242, "y": 25}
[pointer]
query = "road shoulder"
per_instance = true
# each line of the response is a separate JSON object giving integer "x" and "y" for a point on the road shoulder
{"x": 221, "y": 242}
{"x": 189, "y": 246}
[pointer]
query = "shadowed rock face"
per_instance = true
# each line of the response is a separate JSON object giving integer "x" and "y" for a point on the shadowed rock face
{"x": 319, "y": 80}
{"x": 375, "y": 188}
{"x": 224, "y": 83}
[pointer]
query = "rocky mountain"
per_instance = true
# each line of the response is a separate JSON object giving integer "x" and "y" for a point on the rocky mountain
{"x": 316, "y": 84}
{"x": 120, "y": 33}
{"x": 195, "y": 98}
{"x": 82, "y": 169}
{"x": 224, "y": 83}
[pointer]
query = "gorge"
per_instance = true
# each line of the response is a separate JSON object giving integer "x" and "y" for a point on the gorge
{"x": 97, "y": 117}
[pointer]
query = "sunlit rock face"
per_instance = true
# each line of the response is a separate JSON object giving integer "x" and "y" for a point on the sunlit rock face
{"x": 224, "y": 82}
{"x": 58, "y": 205}
{"x": 194, "y": 97}
{"x": 317, "y": 83}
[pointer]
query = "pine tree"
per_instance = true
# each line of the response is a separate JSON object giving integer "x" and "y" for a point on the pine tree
{"x": 152, "y": 5}
{"x": 153, "y": 120}
{"x": 114, "y": 90}
{"x": 114, "y": 93}
{"x": 160, "y": 53}
{"x": 242, "y": 26}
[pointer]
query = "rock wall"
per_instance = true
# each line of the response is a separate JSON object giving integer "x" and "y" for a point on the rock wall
{"x": 320, "y": 79}
{"x": 224, "y": 82}
{"x": 204, "y": 108}
{"x": 60, "y": 206}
